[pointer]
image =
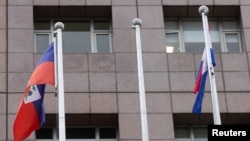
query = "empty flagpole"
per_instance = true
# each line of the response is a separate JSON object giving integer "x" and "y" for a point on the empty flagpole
{"x": 216, "y": 111}
{"x": 143, "y": 110}
{"x": 60, "y": 82}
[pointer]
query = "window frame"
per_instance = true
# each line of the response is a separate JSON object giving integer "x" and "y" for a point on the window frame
{"x": 50, "y": 32}
{"x": 101, "y": 32}
{"x": 95, "y": 42}
{"x": 222, "y": 32}
{"x": 180, "y": 49}
{"x": 231, "y": 33}
{"x": 54, "y": 135}
{"x": 191, "y": 132}
{"x": 41, "y": 33}
{"x": 93, "y": 32}
{"x": 97, "y": 134}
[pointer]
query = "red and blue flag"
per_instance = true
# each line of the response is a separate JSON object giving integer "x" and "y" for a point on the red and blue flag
{"x": 31, "y": 114}
{"x": 200, "y": 83}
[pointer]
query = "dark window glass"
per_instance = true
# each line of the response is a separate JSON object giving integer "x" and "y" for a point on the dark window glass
{"x": 80, "y": 133}
{"x": 182, "y": 132}
{"x": 200, "y": 134}
{"x": 42, "y": 25}
{"x": 44, "y": 133}
{"x": 107, "y": 133}
{"x": 101, "y": 25}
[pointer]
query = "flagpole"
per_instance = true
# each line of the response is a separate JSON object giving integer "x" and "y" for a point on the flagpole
{"x": 143, "y": 110}
{"x": 59, "y": 27}
{"x": 55, "y": 62}
{"x": 203, "y": 10}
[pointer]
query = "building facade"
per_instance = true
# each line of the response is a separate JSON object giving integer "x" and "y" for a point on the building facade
{"x": 100, "y": 66}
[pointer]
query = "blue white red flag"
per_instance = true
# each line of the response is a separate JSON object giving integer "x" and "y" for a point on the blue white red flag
{"x": 201, "y": 77}
{"x": 200, "y": 83}
{"x": 31, "y": 115}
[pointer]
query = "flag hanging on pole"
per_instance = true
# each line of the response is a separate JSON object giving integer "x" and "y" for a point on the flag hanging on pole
{"x": 208, "y": 68}
{"x": 31, "y": 115}
{"x": 213, "y": 62}
{"x": 200, "y": 83}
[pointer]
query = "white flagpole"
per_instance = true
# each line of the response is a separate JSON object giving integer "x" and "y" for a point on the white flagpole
{"x": 144, "y": 121}
{"x": 55, "y": 63}
{"x": 59, "y": 27}
{"x": 216, "y": 111}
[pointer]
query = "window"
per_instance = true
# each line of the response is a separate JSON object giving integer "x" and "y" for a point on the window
{"x": 187, "y": 35}
{"x": 79, "y": 36}
{"x": 42, "y": 35}
{"x": 190, "y": 134}
{"x": 79, "y": 134}
{"x": 45, "y": 134}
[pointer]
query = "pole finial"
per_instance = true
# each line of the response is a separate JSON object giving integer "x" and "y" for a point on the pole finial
{"x": 59, "y": 25}
{"x": 137, "y": 21}
{"x": 203, "y": 9}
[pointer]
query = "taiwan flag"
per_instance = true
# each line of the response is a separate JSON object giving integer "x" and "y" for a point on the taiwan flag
{"x": 31, "y": 115}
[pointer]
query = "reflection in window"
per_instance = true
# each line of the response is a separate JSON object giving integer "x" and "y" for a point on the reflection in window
{"x": 173, "y": 44}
